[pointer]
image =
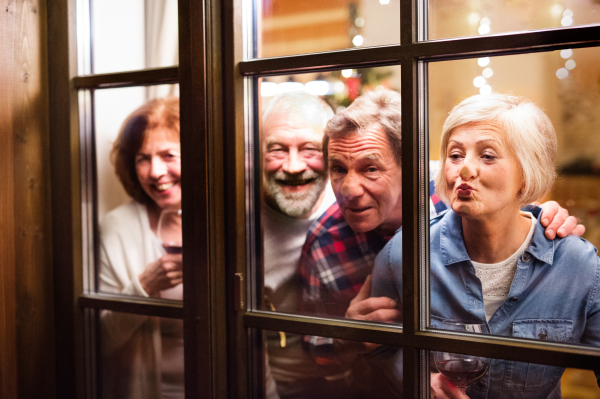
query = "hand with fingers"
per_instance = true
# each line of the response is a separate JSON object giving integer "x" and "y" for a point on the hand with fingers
{"x": 164, "y": 273}
{"x": 382, "y": 309}
{"x": 557, "y": 221}
{"x": 441, "y": 388}
{"x": 362, "y": 307}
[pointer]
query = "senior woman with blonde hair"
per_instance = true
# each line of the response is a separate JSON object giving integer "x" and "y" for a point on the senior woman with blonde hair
{"x": 490, "y": 262}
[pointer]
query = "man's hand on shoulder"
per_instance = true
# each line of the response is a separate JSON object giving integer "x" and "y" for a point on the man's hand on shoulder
{"x": 556, "y": 219}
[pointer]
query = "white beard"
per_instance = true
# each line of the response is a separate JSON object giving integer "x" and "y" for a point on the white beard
{"x": 296, "y": 204}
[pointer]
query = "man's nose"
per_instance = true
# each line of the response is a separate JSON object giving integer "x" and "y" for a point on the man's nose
{"x": 351, "y": 187}
{"x": 157, "y": 168}
{"x": 294, "y": 164}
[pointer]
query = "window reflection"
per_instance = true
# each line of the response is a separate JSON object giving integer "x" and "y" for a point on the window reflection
{"x": 141, "y": 356}
{"x": 287, "y": 27}
{"x": 473, "y": 18}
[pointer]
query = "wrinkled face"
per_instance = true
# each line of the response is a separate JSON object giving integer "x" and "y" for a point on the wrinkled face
{"x": 158, "y": 167}
{"x": 367, "y": 181}
{"x": 483, "y": 175}
{"x": 294, "y": 173}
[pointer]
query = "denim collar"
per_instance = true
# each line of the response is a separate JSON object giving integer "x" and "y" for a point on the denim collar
{"x": 453, "y": 246}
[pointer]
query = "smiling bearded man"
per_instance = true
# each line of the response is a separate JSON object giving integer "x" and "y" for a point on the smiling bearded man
{"x": 295, "y": 181}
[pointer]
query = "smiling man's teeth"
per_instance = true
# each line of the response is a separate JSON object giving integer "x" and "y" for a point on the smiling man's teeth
{"x": 164, "y": 186}
{"x": 295, "y": 182}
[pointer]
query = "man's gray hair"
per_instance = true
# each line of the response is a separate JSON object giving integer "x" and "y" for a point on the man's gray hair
{"x": 312, "y": 110}
{"x": 381, "y": 108}
{"x": 529, "y": 134}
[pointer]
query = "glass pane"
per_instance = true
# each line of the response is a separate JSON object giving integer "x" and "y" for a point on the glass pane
{"x": 138, "y": 176}
{"x": 290, "y": 27}
{"x": 316, "y": 254}
{"x": 487, "y": 17}
{"x": 357, "y": 370}
{"x": 140, "y": 356}
{"x": 490, "y": 260}
{"x": 135, "y": 34}
{"x": 486, "y": 377}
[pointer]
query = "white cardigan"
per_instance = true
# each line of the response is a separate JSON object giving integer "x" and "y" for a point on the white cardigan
{"x": 130, "y": 343}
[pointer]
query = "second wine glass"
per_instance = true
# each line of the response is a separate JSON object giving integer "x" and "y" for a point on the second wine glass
{"x": 169, "y": 230}
{"x": 462, "y": 370}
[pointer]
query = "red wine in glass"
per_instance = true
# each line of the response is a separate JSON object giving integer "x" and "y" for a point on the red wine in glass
{"x": 463, "y": 372}
{"x": 169, "y": 230}
{"x": 173, "y": 248}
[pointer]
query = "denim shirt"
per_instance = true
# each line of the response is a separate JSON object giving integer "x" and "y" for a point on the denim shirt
{"x": 555, "y": 296}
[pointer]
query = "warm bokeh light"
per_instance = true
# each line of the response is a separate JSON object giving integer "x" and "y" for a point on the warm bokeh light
{"x": 562, "y": 73}
{"x": 287, "y": 87}
{"x": 567, "y": 53}
{"x": 483, "y": 61}
{"x": 566, "y": 21}
{"x": 479, "y": 81}
{"x": 570, "y": 64}
{"x": 485, "y": 89}
{"x": 483, "y": 29}
{"x": 487, "y": 73}
{"x": 357, "y": 40}
{"x": 317, "y": 88}
{"x": 268, "y": 89}
{"x": 347, "y": 72}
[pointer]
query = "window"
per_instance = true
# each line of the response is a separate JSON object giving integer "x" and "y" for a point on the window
{"x": 434, "y": 75}
{"x": 232, "y": 57}
{"x": 127, "y": 54}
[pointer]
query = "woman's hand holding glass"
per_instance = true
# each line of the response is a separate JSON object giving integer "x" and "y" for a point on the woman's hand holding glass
{"x": 166, "y": 272}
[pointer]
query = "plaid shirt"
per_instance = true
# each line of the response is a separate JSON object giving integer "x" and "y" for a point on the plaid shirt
{"x": 334, "y": 264}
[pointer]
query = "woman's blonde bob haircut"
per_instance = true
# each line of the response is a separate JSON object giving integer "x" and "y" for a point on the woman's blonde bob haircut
{"x": 529, "y": 134}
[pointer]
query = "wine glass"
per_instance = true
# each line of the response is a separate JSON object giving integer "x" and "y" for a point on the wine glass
{"x": 462, "y": 370}
{"x": 169, "y": 230}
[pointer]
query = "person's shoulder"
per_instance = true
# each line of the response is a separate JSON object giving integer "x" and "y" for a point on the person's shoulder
{"x": 578, "y": 248}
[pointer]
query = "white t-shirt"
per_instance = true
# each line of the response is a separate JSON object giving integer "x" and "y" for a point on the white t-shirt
{"x": 496, "y": 278}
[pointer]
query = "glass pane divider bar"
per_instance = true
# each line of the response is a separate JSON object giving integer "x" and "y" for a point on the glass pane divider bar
{"x": 497, "y": 347}
{"x": 126, "y": 79}
{"x": 446, "y": 49}
{"x": 144, "y": 306}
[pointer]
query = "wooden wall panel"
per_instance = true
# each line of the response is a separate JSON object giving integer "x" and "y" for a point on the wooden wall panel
{"x": 26, "y": 308}
{"x": 8, "y": 354}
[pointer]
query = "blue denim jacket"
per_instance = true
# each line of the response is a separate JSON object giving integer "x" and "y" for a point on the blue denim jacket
{"x": 555, "y": 296}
